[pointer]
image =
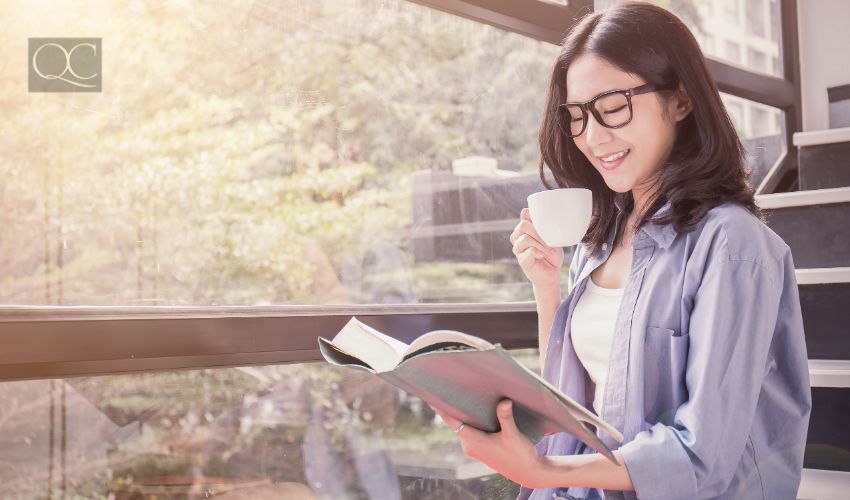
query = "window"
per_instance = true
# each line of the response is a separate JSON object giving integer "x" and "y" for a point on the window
{"x": 725, "y": 32}
{"x": 736, "y": 111}
{"x": 756, "y": 60}
{"x": 762, "y": 132}
{"x": 732, "y": 11}
{"x": 284, "y": 431}
{"x": 733, "y": 52}
{"x": 755, "y": 17}
{"x": 310, "y": 153}
{"x": 760, "y": 123}
{"x": 773, "y": 5}
{"x": 314, "y": 153}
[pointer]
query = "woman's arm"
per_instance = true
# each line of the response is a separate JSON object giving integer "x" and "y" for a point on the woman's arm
{"x": 591, "y": 471}
{"x": 731, "y": 327}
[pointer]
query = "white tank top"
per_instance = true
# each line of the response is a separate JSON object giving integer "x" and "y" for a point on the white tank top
{"x": 592, "y": 332}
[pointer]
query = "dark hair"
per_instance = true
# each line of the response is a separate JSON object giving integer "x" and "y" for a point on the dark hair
{"x": 705, "y": 167}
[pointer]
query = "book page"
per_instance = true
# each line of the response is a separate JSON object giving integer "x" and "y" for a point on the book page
{"x": 376, "y": 349}
{"x": 450, "y": 336}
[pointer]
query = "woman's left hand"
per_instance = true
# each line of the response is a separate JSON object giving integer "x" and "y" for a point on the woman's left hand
{"x": 508, "y": 452}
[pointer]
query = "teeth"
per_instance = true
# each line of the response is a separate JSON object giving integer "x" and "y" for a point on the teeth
{"x": 615, "y": 156}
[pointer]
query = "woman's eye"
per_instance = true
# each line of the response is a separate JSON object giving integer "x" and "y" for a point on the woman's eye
{"x": 612, "y": 111}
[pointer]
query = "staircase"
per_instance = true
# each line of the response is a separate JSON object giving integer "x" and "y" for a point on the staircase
{"x": 815, "y": 222}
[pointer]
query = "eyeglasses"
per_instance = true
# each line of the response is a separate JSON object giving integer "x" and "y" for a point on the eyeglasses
{"x": 612, "y": 109}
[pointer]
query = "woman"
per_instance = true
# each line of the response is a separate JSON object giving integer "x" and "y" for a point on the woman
{"x": 682, "y": 327}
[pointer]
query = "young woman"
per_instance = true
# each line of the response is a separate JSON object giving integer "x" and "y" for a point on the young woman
{"x": 682, "y": 327}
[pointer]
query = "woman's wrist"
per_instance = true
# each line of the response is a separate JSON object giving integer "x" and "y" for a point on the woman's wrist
{"x": 547, "y": 293}
{"x": 588, "y": 470}
{"x": 551, "y": 473}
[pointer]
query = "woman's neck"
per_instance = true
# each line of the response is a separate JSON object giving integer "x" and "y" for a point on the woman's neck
{"x": 625, "y": 232}
{"x": 640, "y": 198}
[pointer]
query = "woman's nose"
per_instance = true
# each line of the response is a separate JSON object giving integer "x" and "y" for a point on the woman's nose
{"x": 596, "y": 133}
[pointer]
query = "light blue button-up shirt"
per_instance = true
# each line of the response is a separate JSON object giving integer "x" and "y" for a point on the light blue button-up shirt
{"x": 708, "y": 373}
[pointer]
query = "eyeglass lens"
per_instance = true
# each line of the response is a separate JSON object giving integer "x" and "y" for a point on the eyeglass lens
{"x": 612, "y": 108}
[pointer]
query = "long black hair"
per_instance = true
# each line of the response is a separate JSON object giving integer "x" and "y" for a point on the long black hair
{"x": 706, "y": 165}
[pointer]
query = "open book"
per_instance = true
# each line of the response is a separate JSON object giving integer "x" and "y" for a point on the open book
{"x": 465, "y": 377}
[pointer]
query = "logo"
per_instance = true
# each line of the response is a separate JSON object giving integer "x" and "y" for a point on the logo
{"x": 64, "y": 65}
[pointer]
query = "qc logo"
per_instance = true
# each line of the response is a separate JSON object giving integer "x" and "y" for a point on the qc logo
{"x": 65, "y": 65}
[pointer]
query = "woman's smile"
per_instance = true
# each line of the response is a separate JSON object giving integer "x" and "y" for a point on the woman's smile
{"x": 612, "y": 161}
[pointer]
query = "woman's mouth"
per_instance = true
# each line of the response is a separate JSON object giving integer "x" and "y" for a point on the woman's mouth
{"x": 614, "y": 160}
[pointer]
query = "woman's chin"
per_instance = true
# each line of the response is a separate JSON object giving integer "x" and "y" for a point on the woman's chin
{"x": 619, "y": 187}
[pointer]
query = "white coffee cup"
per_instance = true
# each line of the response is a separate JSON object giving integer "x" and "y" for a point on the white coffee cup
{"x": 561, "y": 216}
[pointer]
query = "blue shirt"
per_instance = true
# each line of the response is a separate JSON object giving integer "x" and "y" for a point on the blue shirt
{"x": 708, "y": 373}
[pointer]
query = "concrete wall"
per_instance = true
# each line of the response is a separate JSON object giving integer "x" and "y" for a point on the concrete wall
{"x": 824, "y": 55}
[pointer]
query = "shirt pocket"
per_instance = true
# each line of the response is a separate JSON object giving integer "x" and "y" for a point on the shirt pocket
{"x": 665, "y": 360}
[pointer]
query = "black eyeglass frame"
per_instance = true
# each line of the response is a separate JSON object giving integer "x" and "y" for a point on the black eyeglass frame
{"x": 591, "y": 106}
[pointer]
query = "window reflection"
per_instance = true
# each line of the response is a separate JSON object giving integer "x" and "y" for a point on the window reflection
{"x": 762, "y": 132}
{"x": 272, "y": 163}
{"x": 293, "y": 431}
{"x": 726, "y": 29}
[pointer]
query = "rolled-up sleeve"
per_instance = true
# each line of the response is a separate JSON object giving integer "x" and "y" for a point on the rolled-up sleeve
{"x": 731, "y": 325}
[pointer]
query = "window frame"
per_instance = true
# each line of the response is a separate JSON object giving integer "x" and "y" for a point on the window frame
{"x": 60, "y": 341}
{"x": 67, "y": 341}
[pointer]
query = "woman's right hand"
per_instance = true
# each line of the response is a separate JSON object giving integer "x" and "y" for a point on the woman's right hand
{"x": 540, "y": 262}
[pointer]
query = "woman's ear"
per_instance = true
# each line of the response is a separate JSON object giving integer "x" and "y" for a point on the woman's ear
{"x": 680, "y": 104}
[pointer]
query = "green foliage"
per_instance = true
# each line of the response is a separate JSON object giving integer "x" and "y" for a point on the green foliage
{"x": 241, "y": 154}
{"x": 251, "y": 166}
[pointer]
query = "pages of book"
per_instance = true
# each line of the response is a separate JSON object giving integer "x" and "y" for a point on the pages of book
{"x": 381, "y": 352}
{"x": 447, "y": 336}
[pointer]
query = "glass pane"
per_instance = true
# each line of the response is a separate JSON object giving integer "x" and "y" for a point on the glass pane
{"x": 298, "y": 431}
{"x": 743, "y": 32}
{"x": 281, "y": 152}
{"x": 762, "y": 132}
{"x": 828, "y": 445}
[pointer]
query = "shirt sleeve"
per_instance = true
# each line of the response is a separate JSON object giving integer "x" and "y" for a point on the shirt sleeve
{"x": 730, "y": 331}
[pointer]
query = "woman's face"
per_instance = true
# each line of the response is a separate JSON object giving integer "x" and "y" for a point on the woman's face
{"x": 646, "y": 140}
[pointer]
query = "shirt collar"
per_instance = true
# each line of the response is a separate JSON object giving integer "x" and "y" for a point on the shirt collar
{"x": 662, "y": 234}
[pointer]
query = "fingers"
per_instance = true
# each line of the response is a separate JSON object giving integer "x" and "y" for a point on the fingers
{"x": 530, "y": 254}
{"x": 525, "y": 226}
{"x": 528, "y": 245}
{"x": 525, "y": 240}
{"x": 524, "y": 235}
